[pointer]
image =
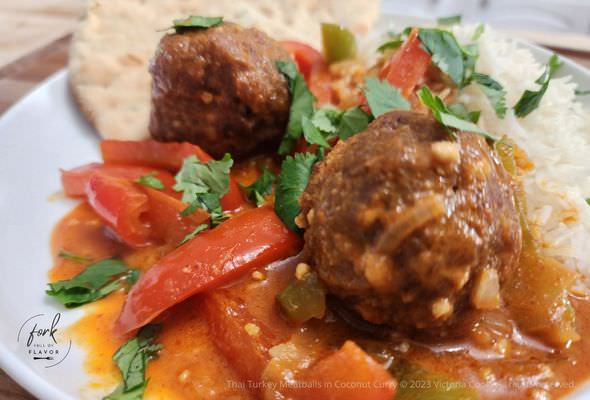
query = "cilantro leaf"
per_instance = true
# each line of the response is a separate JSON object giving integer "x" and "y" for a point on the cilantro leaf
{"x": 531, "y": 99}
{"x": 446, "y": 53}
{"x": 390, "y": 45}
{"x": 579, "y": 92}
{"x": 493, "y": 91}
{"x": 209, "y": 202}
{"x": 203, "y": 185}
{"x": 383, "y": 97}
{"x": 292, "y": 181}
{"x": 196, "y": 177}
{"x": 302, "y": 101}
{"x": 131, "y": 359}
{"x": 326, "y": 119}
{"x": 93, "y": 283}
{"x": 395, "y": 40}
{"x": 478, "y": 32}
{"x": 552, "y": 66}
{"x": 194, "y": 233}
{"x": 195, "y": 22}
{"x": 460, "y": 111}
{"x": 73, "y": 257}
{"x": 353, "y": 121}
{"x": 261, "y": 187}
{"x": 312, "y": 134}
{"x": 150, "y": 180}
{"x": 470, "y": 56}
{"x": 588, "y": 201}
{"x": 445, "y": 116}
{"x": 450, "y": 20}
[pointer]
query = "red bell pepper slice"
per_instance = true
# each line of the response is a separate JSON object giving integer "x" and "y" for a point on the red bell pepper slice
{"x": 314, "y": 68}
{"x": 74, "y": 181}
{"x": 150, "y": 153}
{"x": 167, "y": 156}
{"x": 249, "y": 240}
{"x": 123, "y": 206}
{"x": 408, "y": 66}
{"x": 228, "y": 310}
{"x": 166, "y": 222}
{"x": 349, "y": 365}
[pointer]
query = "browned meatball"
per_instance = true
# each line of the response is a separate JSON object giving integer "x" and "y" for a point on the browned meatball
{"x": 219, "y": 88}
{"x": 410, "y": 227}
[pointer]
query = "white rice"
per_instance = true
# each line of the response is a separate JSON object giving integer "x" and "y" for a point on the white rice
{"x": 555, "y": 137}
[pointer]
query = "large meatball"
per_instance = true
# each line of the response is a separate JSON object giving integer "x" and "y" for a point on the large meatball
{"x": 219, "y": 88}
{"x": 409, "y": 226}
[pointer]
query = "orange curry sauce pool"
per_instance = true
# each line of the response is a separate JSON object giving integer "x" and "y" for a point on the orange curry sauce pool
{"x": 191, "y": 367}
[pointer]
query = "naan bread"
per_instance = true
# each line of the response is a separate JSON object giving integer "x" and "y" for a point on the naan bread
{"x": 114, "y": 43}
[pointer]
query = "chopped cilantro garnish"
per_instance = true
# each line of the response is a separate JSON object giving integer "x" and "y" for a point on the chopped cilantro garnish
{"x": 203, "y": 185}
{"x": 95, "y": 282}
{"x": 292, "y": 181}
{"x": 446, "y": 53}
{"x": 73, "y": 257}
{"x": 302, "y": 101}
{"x": 588, "y": 201}
{"x": 150, "y": 180}
{"x": 459, "y": 110}
{"x": 383, "y": 97}
{"x": 131, "y": 359}
{"x": 470, "y": 56}
{"x": 194, "y": 233}
{"x": 326, "y": 119}
{"x": 493, "y": 91}
{"x": 209, "y": 202}
{"x": 353, "y": 121}
{"x": 530, "y": 99}
{"x": 478, "y": 32}
{"x": 342, "y": 124}
{"x": 196, "y": 22}
{"x": 390, "y": 45}
{"x": 446, "y": 117}
{"x": 261, "y": 187}
{"x": 582, "y": 92}
{"x": 312, "y": 134}
{"x": 450, "y": 20}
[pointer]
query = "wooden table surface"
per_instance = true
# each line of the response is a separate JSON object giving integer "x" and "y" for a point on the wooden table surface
{"x": 17, "y": 78}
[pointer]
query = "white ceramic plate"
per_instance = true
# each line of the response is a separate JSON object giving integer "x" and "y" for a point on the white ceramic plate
{"x": 41, "y": 134}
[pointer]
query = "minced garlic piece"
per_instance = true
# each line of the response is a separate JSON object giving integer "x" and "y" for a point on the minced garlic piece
{"x": 442, "y": 308}
{"x": 486, "y": 292}
{"x": 184, "y": 375}
{"x": 252, "y": 329}
{"x": 258, "y": 276}
{"x": 446, "y": 152}
{"x": 301, "y": 270}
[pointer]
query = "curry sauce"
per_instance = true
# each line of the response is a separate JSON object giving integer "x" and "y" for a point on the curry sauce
{"x": 191, "y": 366}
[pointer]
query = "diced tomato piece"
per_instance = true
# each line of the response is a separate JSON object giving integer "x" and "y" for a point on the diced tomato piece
{"x": 251, "y": 239}
{"x": 313, "y": 67}
{"x": 123, "y": 206}
{"x": 308, "y": 59}
{"x": 75, "y": 180}
{"x": 167, "y": 156}
{"x": 348, "y": 374}
{"x": 408, "y": 66}
{"x": 166, "y": 222}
